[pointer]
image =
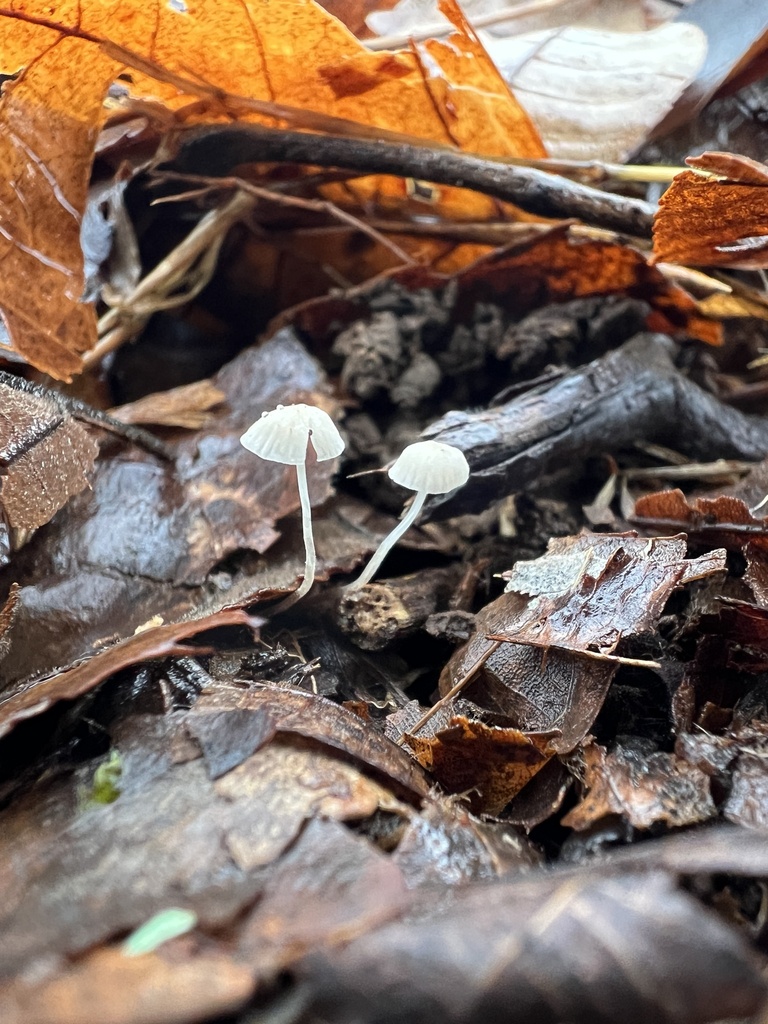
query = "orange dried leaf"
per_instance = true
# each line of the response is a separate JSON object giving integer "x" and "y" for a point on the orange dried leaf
{"x": 49, "y": 119}
{"x": 719, "y": 221}
{"x": 491, "y": 762}
{"x": 287, "y": 51}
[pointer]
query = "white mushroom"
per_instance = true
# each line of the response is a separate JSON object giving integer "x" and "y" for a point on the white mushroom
{"x": 283, "y": 435}
{"x": 427, "y": 467}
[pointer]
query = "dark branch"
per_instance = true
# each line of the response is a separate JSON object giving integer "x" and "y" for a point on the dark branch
{"x": 215, "y": 151}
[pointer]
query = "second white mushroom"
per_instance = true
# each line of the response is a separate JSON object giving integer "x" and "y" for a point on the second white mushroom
{"x": 426, "y": 467}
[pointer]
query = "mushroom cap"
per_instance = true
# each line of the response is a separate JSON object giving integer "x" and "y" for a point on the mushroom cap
{"x": 282, "y": 435}
{"x": 430, "y": 466}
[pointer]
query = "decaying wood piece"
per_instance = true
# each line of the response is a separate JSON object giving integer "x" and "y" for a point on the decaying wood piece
{"x": 634, "y": 393}
{"x": 377, "y": 615}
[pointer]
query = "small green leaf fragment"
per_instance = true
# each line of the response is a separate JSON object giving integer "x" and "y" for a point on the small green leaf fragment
{"x": 105, "y": 788}
{"x": 162, "y": 927}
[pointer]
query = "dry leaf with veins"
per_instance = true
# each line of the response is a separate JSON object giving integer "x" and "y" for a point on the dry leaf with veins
{"x": 718, "y": 218}
{"x": 290, "y": 51}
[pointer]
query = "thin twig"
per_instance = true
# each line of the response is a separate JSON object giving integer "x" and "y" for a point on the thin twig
{"x": 298, "y": 202}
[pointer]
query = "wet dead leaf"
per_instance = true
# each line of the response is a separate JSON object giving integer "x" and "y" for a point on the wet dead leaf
{"x": 582, "y": 598}
{"x": 148, "y": 533}
{"x": 645, "y": 789}
{"x": 32, "y": 698}
{"x": 719, "y": 221}
{"x": 275, "y": 710}
{"x": 582, "y": 945}
{"x": 446, "y": 845}
{"x": 74, "y": 873}
{"x": 328, "y": 889}
{"x": 45, "y": 454}
{"x": 283, "y": 785}
{"x": 590, "y": 592}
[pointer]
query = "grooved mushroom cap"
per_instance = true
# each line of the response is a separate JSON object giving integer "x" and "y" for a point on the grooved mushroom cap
{"x": 282, "y": 435}
{"x": 430, "y": 466}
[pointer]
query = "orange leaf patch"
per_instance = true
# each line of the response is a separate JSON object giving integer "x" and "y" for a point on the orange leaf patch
{"x": 715, "y": 221}
{"x": 287, "y": 51}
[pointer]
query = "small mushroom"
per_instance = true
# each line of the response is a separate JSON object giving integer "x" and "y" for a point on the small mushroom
{"x": 427, "y": 467}
{"x": 283, "y": 435}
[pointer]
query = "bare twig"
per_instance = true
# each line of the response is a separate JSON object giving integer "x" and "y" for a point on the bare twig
{"x": 297, "y": 202}
{"x": 539, "y": 193}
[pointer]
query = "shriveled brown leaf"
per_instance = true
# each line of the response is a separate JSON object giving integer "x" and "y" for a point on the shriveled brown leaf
{"x": 643, "y": 788}
{"x": 589, "y": 592}
{"x": 583, "y": 597}
{"x": 737, "y": 759}
{"x": 725, "y": 519}
{"x": 490, "y": 763}
{"x": 187, "y": 406}
{"x": 46, "y": 456}
{"x": 721, "y": 221}
{"x": 283, "y": 785}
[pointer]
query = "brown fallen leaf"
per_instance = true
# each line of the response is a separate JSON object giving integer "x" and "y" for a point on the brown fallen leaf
{"x": 218, "y": 723}
{"x": 330, "y": 887}
{"x": 719, "y": 221}
{"x": 49, "y": 123}
{"x": 211, "y": 844}
{"x": 489, "y": 764}
{"x": 48, "y": 134}
{"x": 589, "y": 592}
{"x": 188, "y": 406}
{"x": 725, "y": 519}
{"x": 561, "y": 623}
{"x": 540, "y": 949}
{"x": 149, "y": 531}
{"x": 157, "y": 641}
{"x": 45, "y": 454}
{"x": 280, "y": 787}
{"x": 446, "y": 845}
{"x": 641, "y": 788}
{"x": 174, "y": 990}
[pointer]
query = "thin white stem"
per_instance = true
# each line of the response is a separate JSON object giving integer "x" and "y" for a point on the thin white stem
{"x": 306, "y": 526}
{"x": 389, "y": 542}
